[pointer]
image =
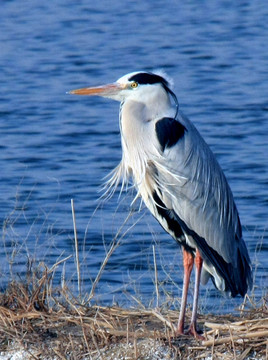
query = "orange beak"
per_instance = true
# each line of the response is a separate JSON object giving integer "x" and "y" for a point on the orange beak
{"x": 105, "y": 90}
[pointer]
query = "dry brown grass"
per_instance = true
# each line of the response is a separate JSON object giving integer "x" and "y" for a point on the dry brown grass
{"x": 50, "y": 324}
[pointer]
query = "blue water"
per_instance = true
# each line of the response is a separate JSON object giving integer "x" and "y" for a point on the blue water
{"x": 56, "y": 147}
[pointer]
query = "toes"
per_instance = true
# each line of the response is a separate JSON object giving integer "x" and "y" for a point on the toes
{"x": 193, "y": 332}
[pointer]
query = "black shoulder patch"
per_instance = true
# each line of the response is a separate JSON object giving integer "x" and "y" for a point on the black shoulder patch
{"x": 148, "y": 78}
{"x": 168, "y": 132}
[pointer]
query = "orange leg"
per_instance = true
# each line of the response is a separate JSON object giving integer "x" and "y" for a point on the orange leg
{"x": 198, "y": 267}
{"x": 188, "y": 262}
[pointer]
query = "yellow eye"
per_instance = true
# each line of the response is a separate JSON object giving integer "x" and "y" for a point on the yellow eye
{"x": 134, "y": 84}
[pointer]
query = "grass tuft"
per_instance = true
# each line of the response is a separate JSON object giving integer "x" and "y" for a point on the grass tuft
{"x": 50, "y": 323}
{"x": 42, "y": 321}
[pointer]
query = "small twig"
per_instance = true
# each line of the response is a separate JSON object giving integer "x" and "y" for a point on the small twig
{"x": 156, "y": 279}
{"x": 94, "y": 342}
{"x": 232, "y": 341}
{"x": 116, "y": 242}
{"x": 107, "y": 257}
{"x": 76, "y": 250}
{"x": 127, "y": 333}
{"x": 135, "y": 299}
{"x": 85, "y": 337}
{"x": 59, "y": 354}
{"x": 71, "y": 342}
{"x": 213, "y": 347}
{"x": 63, "y": 277}
{"x": 244, "y": 354}
{"x": 165, "y": 321}
{"x": 58, "y": 263}
{"x": 235, "y": 337}
{"x": 135, "y": 346}
{"x": 32, "y": 355}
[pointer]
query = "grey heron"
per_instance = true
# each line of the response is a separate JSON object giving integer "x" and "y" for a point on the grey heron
{"x": 181, "y": 183}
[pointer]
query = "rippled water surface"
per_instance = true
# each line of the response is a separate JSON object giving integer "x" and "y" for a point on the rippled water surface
{"x": 56, "y": 147}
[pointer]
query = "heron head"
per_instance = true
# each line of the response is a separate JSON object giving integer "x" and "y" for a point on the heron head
{"x": 135, "y": 85}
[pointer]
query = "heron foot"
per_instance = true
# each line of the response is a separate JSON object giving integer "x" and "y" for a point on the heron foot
{"x": 194, "y": 332}
{"x": 179, "y": 332}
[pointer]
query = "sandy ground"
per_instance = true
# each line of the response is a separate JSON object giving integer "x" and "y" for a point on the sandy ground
{"x": 30, "y": 328}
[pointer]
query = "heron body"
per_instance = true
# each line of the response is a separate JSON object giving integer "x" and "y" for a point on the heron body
{"x": 181, "y": 183}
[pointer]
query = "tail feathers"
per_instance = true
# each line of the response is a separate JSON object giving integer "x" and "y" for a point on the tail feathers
{"x": 242, "y": 274}
{"x": 234, "y": 279}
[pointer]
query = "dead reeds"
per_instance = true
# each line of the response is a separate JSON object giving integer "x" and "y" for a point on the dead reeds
{"x": 42, "y": 321}
{"x": 48, "y": 322}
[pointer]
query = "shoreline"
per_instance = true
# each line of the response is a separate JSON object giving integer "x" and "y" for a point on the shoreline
{"x": 32, "y": 328}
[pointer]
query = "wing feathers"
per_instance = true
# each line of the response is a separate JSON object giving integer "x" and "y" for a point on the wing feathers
{"x": 202, "y": 204}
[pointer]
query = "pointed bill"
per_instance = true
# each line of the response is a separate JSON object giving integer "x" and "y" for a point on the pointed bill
{"x": 104, "y": 90}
